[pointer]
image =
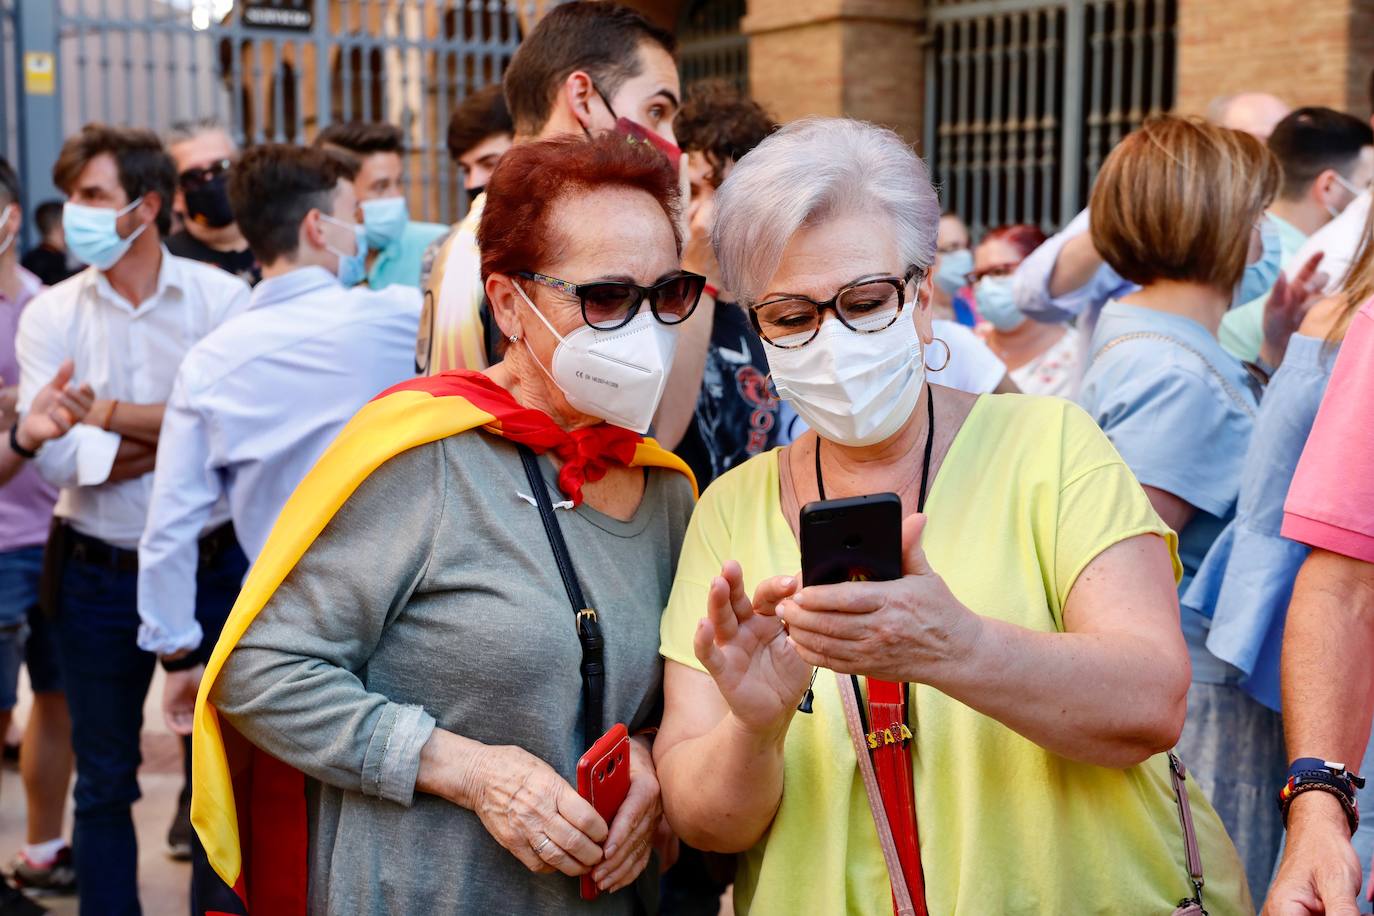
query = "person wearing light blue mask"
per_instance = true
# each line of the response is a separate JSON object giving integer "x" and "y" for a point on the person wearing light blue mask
{"x": 1178, "y": 208}
{"x": 953, "y": 264}
{"x": 1040, "y": 358}
{"x": 126, "y": 323}
{"x": 1327, "y": 158}
{"x": 394, "y": 244}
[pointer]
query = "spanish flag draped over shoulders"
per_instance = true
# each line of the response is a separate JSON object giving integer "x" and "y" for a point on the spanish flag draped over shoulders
{"x": 248, "y": 808}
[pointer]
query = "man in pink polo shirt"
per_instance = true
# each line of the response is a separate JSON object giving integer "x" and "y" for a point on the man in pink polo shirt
{"x": 1328, "y": 686}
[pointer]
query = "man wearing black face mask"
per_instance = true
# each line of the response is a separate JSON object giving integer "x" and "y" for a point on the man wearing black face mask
{"x": 203, "y": 153}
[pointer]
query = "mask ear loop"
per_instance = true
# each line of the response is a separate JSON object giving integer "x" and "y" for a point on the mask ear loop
{"x": 948, "y": 354}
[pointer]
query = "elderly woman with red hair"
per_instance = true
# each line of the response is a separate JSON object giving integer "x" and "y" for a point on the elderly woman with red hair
{"x": 420, "y": 662}
{"x": 1040, "y": 358}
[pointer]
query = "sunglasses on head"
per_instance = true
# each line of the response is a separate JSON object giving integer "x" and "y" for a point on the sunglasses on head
{"x": 194, "y": 179}
{"x": 610, "y": 304}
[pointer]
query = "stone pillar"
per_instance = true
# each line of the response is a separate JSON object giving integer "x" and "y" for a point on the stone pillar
{"x": 1305, "y": 53}
{"x": 853, "y": 58}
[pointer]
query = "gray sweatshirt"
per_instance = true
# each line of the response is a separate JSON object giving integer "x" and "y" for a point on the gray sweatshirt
{"x": 433, "y": 597}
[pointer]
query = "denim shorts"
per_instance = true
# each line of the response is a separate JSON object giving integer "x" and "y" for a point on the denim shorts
{"x": 20, "y": 571}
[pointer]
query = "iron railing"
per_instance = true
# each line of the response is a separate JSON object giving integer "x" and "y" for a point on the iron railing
{"x": 1024, "y": 99}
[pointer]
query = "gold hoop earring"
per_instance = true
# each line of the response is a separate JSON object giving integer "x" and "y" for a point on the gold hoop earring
{"x": 948, "y": 353}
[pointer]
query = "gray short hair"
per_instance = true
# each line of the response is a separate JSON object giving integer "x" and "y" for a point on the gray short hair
{"x": 181, "y": 131}
{"x": 812, "y": 170}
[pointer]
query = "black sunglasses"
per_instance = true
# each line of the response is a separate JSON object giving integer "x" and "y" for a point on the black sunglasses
{"x": 610, "y": 304}
{"x": 194, "y": 179}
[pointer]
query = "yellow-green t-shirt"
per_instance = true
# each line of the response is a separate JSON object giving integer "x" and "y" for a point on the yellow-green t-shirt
{"x": 1030, "y": 492}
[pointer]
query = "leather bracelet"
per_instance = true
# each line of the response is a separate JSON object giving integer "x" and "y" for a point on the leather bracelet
{"x": 16, "y": 447}
{"x": 185, "y": 663}
{"x": 1312, "y": 775}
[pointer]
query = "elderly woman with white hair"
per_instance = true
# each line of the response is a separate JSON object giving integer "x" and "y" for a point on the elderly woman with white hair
{"x": 991, "y": 736}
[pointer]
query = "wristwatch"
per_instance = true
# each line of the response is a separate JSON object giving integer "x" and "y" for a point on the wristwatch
{"x": 183, "y": 663}
{"x": 1312, "y": 774}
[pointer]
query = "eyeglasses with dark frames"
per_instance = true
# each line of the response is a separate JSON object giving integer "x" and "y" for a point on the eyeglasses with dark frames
{"x": 610, "y": 304}
{"x": 865, "y": 306}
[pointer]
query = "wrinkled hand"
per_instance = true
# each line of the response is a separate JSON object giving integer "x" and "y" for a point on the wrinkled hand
{"x": 179, "y": 699}
{"x": 894, "y": 630}
{"x": 522, "y": 802}
{"x": 1320, "y": 872}
{"x": 56, "y": 408}
{"x": 743, "y": 645}
{"x": 1288, "y": 304}
{"x": 631, "y": 839}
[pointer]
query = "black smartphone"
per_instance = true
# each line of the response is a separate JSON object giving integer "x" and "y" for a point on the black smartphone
{"x": 855, "y": 539}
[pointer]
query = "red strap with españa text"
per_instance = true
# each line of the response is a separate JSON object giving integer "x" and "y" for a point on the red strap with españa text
{"x": 890, "y": 742}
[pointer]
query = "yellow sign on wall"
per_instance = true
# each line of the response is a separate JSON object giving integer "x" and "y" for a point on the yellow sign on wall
{"x": 39, "y": 73}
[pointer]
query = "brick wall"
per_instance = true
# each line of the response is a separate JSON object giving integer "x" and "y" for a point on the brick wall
{"x": 856, "y": 58}
{"x": 1308, "y": 52}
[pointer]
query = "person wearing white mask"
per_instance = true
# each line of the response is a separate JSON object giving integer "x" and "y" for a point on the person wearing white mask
{"x": 451, "y": 767}
{"x": 229, "y": 433}
{"x": 1041, "y": 358}
{"x": 953, "y": 263}
{"x": 395, "y": 243}
{"x": 1037, "y": 590}
{"x": 1180, "y": 409}
{"x": 126, "y": 322}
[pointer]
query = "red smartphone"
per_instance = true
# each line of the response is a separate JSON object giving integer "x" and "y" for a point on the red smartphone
{"x": 603, "y": 778}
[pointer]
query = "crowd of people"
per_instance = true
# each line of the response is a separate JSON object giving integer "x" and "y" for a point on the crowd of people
{"x": 411, "y": 514}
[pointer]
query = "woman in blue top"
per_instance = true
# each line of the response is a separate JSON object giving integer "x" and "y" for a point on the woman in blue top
{"x": 1178, "y": 208}
{"x": 1246, "y": 580}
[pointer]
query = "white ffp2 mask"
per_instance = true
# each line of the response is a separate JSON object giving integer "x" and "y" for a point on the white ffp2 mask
{"x": 615, "y": 375}
{"x": 851, "y": 388}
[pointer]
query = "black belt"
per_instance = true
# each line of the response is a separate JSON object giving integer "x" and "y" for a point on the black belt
{"x": 96, "y": 552}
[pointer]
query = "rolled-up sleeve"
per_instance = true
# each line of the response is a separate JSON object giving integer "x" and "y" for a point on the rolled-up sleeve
{"x": 85, "y": 455}
{"x": 294, "y": 684}
{"x": 1031, "y": 282}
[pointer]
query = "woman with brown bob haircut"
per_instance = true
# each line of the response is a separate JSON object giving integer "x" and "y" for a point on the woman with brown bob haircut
{"x": 1178, "y": 208}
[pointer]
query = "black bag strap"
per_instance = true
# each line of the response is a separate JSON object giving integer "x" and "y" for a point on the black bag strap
{"x": 588, "y": 627}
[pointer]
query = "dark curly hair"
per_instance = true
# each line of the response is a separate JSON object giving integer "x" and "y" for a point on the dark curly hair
{"x": 719, "y": 120}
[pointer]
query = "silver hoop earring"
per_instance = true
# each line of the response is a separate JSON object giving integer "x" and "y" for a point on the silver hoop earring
{"x": 948, "y": 354}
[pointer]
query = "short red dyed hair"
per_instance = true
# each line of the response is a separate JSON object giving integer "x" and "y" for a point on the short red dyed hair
{"x": 1024, "y": 237}
{"x": 515, "y": 234}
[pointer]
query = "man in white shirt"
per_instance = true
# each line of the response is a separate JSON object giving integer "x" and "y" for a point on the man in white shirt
{"x": 126, "y": 322}
{"x": 257, "y": 402}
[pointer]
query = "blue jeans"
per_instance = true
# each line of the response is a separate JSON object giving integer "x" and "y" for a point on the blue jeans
{"x": 107, "y": 677}
{"x": 20, "y": 570}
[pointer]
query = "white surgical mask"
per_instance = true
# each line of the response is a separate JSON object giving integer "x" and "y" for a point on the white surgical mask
{"x": 955, "y": 266}
{"x": 93, "y": 236}
{"x": 615, "y": 375}
{"x": 1354, "y": 192}
{"x": 352, "y": 268}
{"x": 851, "y": 388}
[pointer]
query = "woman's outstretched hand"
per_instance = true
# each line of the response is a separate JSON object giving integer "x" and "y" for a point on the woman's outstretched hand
{"x": 745, "y": 649}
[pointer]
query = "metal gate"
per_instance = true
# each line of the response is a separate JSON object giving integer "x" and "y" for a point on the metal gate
{"x": 711, "y": 45}
{"x": 1024, "y": 99}
{"x": 273, "y": 70}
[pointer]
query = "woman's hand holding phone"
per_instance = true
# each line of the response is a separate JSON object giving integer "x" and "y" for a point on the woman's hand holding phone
{"x": 747, "y": 652}
{"x": 631, "y": 838}
{"x": 900, "y": 630}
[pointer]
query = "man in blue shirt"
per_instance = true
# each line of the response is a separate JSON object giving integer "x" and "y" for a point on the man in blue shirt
{"x": 256, "y": 402}
{"x": 396, "y": 244}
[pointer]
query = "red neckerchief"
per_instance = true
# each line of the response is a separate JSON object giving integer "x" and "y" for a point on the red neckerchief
{"x": 587, "y": 454}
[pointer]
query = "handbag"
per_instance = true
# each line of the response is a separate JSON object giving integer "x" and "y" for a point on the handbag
{"x": 593, "y": 667}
